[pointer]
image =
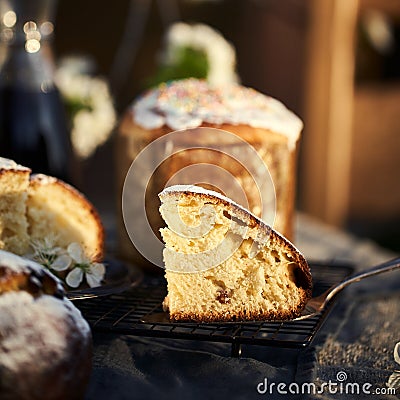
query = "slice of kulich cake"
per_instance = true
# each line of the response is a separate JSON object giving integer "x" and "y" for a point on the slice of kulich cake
{"x": 57, "y": 210}
{"x": 225, "y": 264}
{"x": 37, "y": 207}
{"x": 14, "y": 182}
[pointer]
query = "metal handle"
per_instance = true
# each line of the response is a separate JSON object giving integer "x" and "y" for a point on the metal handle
{"x": 378, "y": 269}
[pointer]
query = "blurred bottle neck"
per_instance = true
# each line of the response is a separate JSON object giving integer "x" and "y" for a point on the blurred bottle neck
{"x": 26, "y": 56}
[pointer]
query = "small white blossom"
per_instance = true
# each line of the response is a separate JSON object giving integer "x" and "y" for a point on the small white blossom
{"x": 45, "y": 252}
{"x": 82, "y": 266}
{"x": 61, "y": 263}
{"x": 74, "y": 278}
{"x": 396, "y": 353}
{"x": 394, "y": 378}
{"x": 72, "y": 259}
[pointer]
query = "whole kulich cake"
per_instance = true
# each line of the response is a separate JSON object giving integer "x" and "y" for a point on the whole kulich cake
{"x": 259, "y": 120}
{"x": 225, "y": 264}
{"x": 45, "y": 344}
{"x": 38, "y": 206}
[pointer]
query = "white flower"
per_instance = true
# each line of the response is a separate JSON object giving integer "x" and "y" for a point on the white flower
{"x": 95, "y": 118}
{"x": 394, "y": 378}
{"x": 46, "y": 253}
{"x": 94, "y": 272}
{"x": 396, "y": 353}
{"x": 61, "y": 263}
{"x": 57, "y": 259}
{"x": 220, "y": 53}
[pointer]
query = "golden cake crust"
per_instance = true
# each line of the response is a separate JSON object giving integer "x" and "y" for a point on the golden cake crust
{"x": 227, "y": 317}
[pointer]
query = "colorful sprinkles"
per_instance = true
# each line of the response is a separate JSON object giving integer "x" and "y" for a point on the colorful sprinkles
{"x": 188, "y": 103}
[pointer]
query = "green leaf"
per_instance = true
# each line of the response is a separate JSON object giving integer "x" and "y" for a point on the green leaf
{"x": 188, "y": 63}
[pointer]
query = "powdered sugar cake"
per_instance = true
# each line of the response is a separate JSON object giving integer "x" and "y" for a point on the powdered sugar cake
{"x": 45, "y": 344}
{"x": 225, "y": 264}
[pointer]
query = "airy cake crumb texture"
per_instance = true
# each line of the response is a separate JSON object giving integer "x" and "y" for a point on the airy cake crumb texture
{"x": 38, "y": 206}
{"x": 13, "y": 223}
{"x": 265, "y": 277}
{"x": 68, "y": 217}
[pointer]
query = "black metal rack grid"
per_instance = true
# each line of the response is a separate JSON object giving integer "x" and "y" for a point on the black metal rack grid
{"x": 123, "y": 314}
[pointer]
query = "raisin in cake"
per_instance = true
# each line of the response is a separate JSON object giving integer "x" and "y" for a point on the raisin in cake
{"x": 38, "y": 206}
{"x": 260, "y": 120}
{"x": 223, "y": 263}
{"x": 45, "y": 344}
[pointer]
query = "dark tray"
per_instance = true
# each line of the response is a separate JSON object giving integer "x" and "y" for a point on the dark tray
{"x": 123, "y": 313}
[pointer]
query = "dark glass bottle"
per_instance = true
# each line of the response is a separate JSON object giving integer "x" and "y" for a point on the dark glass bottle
{"x": 33, "y": 125}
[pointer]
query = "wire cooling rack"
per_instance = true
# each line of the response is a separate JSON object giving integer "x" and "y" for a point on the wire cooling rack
{"x": 124, "y": 313}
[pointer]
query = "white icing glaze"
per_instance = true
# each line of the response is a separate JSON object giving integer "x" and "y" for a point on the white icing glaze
{"x": 36, "y": 330}
{"x": 189, "y": 103}
{"x": 8, "y": 164}
{"x": 16, "y": 263}
{"x": 44, "y": 179}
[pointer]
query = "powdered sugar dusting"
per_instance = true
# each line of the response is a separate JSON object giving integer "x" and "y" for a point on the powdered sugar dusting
{"x": 177, "y": 190}
{"x": 35, "y": 330}
{"x": 11, "y": 165}
{"x": 193, "y": 189}
{"x": 182, "y": 189}
{"x": 44, "y": 179}
{"x": 16, "y": 263}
